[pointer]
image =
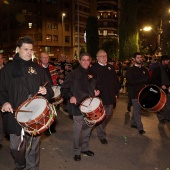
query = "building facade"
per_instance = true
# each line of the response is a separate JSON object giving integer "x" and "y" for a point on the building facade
{"x": 57, "y": 26}
{"x": 107, "y": 14}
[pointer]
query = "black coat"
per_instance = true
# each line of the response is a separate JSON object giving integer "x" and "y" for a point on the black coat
{"x": 137, "y": 78}
{"x": 156, "y": 77}
{"x": 18, "y": 80}
{"x": 81, "y": 84}
{"x": 109, "y": 82}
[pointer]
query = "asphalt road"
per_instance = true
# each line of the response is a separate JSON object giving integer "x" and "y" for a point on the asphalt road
{"x": 126, "y": 148}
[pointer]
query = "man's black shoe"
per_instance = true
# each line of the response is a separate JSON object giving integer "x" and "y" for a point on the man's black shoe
{"x": 77, "y": 157}
{"x": 141, "y": 132}
{"x": 133, "y": 126}
{"x": 103, "y": 141}
{"x": 88, "y": 153}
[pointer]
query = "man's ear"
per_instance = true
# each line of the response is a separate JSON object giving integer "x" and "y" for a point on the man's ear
{"x": 17, "y": 49}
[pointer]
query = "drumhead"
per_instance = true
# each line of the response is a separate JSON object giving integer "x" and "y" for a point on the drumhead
{"x": 94, "y": 104}
{"x": 37, "y": 107}
{"x": 56, "y": 90}
{"x": 149, "y": 96}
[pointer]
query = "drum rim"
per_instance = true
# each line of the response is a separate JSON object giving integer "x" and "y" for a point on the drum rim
{"x": 87, "y": 99}
{"x": 32, "y": 121}
{"x": 152, "y": 108}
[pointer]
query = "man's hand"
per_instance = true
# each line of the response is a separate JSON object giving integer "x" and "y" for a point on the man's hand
{"x": 73, "y": 100}
{"x": 42, "y": 90}
{"x": 7, "y": 107}
{"x": 96, "y": 92}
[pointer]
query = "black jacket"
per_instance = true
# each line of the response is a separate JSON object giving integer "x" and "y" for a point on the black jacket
{"x": 156, "y": 77}
{"x": 137, "y": 78}
{"x": 109, "y": 82}
{"x": 81, "y": 84}
{"x": 18, "y": 80}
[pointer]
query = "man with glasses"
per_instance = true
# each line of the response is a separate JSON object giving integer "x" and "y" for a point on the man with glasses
{"x": 109, "y": 92}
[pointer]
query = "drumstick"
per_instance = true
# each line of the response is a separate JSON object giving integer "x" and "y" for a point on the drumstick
{"x": 23, "y": 111}
{"x": 82, "y": 105}
{"x": 35, "y": 95}
{"x": 20, "y": 110}
{"x": 91, "y": 100}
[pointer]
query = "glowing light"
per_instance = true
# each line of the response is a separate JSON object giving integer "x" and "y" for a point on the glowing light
{"x": 147, "y": 28}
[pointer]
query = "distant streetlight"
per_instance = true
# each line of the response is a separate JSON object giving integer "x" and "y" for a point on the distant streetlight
{"x": 63, "y": 15}
{"x": 158, "y": 33}
{"x": 147, "y": 28}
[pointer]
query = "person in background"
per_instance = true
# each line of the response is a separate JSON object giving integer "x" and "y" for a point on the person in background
{"x": 20, "y": 80}
{"x": 79, "y": 85}
{"x": 110, "y": 90}
{"x": 52, "y": 75}
{"x": 137, "y": 77}
{"x": 63, "y": 72}
{"x": 1, "y": 121}
{"x": 161, "y": 77}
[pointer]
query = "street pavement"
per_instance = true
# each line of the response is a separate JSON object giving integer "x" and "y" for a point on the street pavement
{"x": 126, "y": 148}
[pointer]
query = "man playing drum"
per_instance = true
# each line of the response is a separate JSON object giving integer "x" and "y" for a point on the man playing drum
{"x": 161, "y": 78}
{"x": 80, "y": 84}
{"x": 20, "y": 80}
{"x": 52, "y": 75}
{"x": 137, "y": 77}
{"x": 110, "y": 89}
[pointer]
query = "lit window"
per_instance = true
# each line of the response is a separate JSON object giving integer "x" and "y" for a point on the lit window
{"x": 104, "y": 32}
{"x": 48, "y": 38}
{"x": 30, "y": 25}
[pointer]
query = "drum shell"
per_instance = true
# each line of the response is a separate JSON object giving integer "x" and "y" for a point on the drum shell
{"x": 39, "y": 124}
{"x": 159, "y": 105}
{"x": 97, "y": 115}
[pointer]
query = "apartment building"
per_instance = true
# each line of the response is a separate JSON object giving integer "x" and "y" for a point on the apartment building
{"x": 57, "y": 26}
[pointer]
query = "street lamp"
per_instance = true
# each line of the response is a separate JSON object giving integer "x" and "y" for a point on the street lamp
{"x": 63, "y": 15}
{"x": 158, "y": 33}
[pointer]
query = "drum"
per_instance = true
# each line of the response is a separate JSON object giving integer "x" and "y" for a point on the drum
{"x": 93, "y": 111}
{"x": 35, "y": 116}
{"x": 152, "y": 98}
{"x": 57, "y": 99}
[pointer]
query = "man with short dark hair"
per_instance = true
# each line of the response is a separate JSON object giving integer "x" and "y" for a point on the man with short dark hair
{"x": 161, "y": 78}
{"x": 78, "y": 86}
{"x": 137, "y": 77}
{"x": 20, "y": 80}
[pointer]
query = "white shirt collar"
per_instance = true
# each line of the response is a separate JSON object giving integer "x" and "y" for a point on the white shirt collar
{"x": 102, "y": 64}
{"x": 44, "y": 66}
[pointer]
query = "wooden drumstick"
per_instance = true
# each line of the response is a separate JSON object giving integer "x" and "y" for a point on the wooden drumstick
{"x": 35, "y": 95}
{"x": 91, "y": 100}
{"x": 20, "y": 110}
{"x": 24, "y": 111}
{"x": 82, "y": 105}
